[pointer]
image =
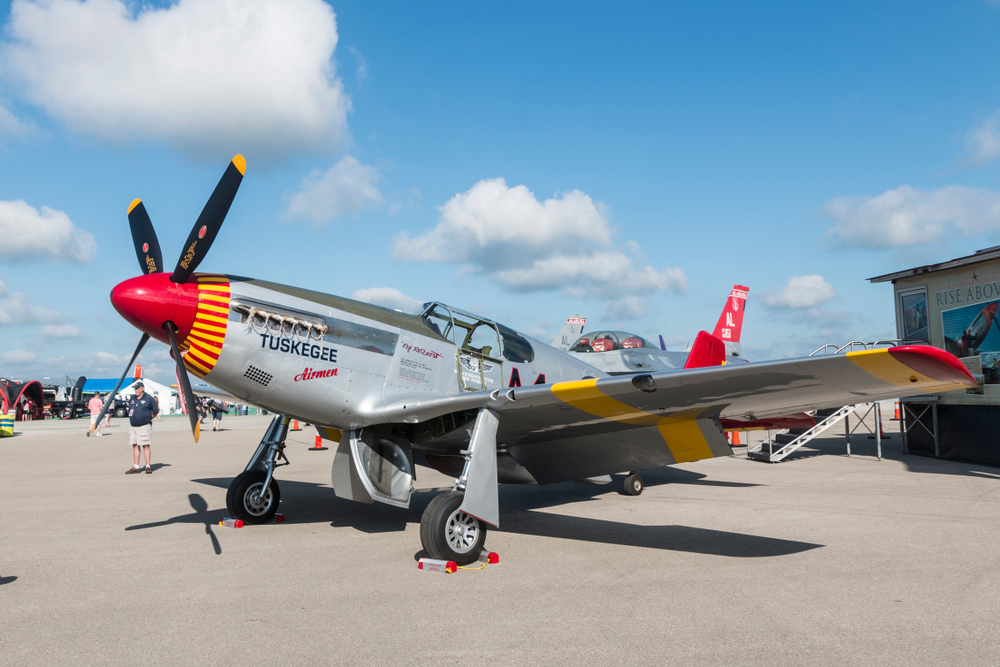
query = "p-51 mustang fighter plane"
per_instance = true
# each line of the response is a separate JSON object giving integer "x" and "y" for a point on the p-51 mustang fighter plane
{"x": 460, "y": 393}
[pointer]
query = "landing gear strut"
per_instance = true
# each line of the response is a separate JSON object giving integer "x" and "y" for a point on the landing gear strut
{"x": 253, "y": 496}
{"x": 453, "y": 526}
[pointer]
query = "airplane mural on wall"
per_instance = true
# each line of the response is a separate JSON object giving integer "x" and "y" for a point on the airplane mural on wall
{"x": 465, "y": 395}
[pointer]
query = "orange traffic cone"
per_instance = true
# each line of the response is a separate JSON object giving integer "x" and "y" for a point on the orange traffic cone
{"x": 736, "y": 438}
{"x": 295, "y": 425}
{"x": 318, "y": 447}
{"x": 896, "y": 416}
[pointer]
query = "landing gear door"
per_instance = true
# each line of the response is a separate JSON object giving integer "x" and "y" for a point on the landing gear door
{"x": 384, "y": 466}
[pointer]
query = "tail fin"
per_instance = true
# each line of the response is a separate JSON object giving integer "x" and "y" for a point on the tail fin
{"x": 570, "y": 332}
{"x": 706, "y": 351}
{"x": 731, "y": 321}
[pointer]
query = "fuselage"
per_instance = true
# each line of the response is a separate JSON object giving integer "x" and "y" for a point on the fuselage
{"x": 333, "y": 361}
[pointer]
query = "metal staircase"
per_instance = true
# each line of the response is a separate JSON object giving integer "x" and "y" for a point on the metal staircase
{"x": 783, "y": 443}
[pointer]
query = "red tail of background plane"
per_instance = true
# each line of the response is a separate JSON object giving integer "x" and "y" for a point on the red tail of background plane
{"x": 731, "y": 321}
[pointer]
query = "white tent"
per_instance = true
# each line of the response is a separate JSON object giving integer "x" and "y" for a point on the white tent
{"x": 163, "y": 394}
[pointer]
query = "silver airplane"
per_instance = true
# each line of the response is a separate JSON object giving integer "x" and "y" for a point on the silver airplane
{"x": 625, "y": 353}
{"x": 454, "y": 391}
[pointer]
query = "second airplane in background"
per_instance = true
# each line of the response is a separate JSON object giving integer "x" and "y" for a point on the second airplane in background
{"x": 624, "y": 353}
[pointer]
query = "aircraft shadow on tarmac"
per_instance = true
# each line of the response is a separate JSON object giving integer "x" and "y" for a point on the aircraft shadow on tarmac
{"x": 7, "y": 580}
{"x": 201, "y": 515}
{"x": 316, "y": 503}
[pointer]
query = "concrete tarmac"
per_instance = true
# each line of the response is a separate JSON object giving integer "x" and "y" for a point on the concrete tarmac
{"x": 819, "y": 560}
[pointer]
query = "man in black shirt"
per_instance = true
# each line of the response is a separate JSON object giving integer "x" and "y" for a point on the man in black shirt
{"x": 141, "y": 410}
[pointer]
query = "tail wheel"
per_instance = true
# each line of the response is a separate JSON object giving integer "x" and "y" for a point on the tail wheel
{"x": 244, "y": 500}
{"x": 634, "y": 485}
{"x": 447, "y": 533}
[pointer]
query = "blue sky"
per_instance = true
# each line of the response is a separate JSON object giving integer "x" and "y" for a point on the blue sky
{"x": 524, "y": 162}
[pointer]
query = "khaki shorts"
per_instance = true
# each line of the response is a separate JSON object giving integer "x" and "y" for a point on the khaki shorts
{"x": 140, "y": 435}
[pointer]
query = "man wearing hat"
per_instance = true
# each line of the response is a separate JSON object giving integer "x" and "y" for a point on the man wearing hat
{"x": 141, "y": 410}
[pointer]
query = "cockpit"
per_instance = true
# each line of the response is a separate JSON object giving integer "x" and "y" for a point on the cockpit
{"x": 608, "y": 341}
{"x": 475, "y": 334}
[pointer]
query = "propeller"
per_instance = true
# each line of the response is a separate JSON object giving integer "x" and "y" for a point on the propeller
{"x": 147, "y": 250}
{"x": 114, "y": 392}
{"x": 210, "y": 221}
{"x": 185, "y": 381}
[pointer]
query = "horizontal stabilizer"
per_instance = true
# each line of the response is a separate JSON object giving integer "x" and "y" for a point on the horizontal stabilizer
{"x": 706, "y": 351}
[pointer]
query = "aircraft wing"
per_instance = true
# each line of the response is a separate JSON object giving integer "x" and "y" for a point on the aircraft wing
{"x": 205, "y": 389}
{"x": 578, "y": 429}
{"x": 573, "y": 430}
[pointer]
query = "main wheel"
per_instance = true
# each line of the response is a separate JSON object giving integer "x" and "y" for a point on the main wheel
{"x": 121, "y": 412}
{"x": 245, "y": 502}
{"x": 447, "y": 533}
{"x": 633, "y": 485}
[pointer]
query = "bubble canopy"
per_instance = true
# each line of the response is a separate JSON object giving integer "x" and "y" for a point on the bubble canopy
{"x": 608, "y": 341}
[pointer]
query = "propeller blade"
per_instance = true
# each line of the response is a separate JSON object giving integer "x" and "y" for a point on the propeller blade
{"x": 210, "y": 221}
{"x": 114, "y": 392}
{"x": 182, "y": 373}
{"x": 147, "y": 248}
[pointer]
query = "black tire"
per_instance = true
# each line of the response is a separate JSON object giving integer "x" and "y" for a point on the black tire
{"x": 634, "y": 485}
{"x": 240, "y": 493}
{"x": 120, "y": 412}
{"x": 447, "y": 534}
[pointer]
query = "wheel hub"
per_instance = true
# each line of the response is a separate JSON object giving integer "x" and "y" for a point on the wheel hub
{"x": 255, "y": 503}
{"x": 461, "y": 531}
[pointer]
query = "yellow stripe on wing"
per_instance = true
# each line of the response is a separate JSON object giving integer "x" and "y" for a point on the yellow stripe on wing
{"x": 585, "y": 395}
{"x": 684, "y": 437}
{"x": 679, "y": 431}
{"x": 887, "y": 368}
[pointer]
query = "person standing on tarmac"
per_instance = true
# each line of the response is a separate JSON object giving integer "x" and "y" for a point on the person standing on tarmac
{"x": 218, "y": 408}
{"x": 95, "y": 404}
{"x": 141, "y": 410}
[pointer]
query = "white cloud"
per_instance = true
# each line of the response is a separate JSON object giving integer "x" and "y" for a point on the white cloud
{"x": 28, "y": 233}
{"x": 604, "y": 274}
{"x": 362, "y": 64}
{"x": 800, "y": 292}
{"x": 17, "y": 357}
{"x": 491, "y": 217}
{"x": 563, "y": 243}
{"x": 15, "y": 309}
{"x": 61, "y": 331}
{"x": 629, "y": 308}
{"x": 385, "y": 296}
{"x": 412, "y": 197}
{"x": 254, "y": 76}
{"x": 346, "y": 187}
{"x": 982, "y": 144}
{"x": 10, "y": 125}
{"x": 909, "y": 216}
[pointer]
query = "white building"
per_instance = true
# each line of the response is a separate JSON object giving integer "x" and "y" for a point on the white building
{"x": 164, "y": 395}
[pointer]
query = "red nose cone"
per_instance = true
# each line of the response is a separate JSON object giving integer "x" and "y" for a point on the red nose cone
{"x": 150, "y": 300}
